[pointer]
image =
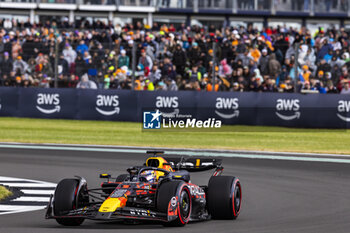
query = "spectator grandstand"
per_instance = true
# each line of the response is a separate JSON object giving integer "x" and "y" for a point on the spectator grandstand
{"x": 179, "y": 56}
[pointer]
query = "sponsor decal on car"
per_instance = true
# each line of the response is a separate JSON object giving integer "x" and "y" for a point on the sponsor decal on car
{"x": 195, "y": 190}
{"x": 118, "y": 193}
{"x": 142, "y": 212}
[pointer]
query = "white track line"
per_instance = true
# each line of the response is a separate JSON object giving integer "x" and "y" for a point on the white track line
{"x": 37, "y": 192}
{"x": 18, "y": 209}
{"x": 5, "y": 178}
{"x": 190, "y": 152}
{"x": 93, "y": 146}
{"x": 33, "y": 199}
{"x": 26, "y": 185}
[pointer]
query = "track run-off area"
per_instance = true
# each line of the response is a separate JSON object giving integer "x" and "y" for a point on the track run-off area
{"x": 282, "y": 192}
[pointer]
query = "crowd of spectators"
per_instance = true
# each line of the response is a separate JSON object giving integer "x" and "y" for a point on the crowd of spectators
{"x": 174, "y": 58}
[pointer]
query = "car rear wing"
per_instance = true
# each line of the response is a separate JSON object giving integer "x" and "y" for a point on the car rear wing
{"x": 193, "y": 164}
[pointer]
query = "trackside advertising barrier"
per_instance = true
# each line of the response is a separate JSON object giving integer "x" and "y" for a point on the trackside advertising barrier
{"x": 274, "y": 109}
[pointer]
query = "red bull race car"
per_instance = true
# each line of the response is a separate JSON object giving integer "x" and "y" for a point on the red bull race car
{"x": 160, "y": 190}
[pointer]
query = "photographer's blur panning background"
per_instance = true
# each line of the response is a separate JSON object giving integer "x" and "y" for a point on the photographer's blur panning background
{"x": 220, "y": 45}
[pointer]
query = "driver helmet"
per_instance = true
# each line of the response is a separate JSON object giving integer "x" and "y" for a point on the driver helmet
{"x": 149, "y": 175}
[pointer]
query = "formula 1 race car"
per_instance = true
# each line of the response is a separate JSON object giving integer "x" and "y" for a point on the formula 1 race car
{"x": 160, "y": 190}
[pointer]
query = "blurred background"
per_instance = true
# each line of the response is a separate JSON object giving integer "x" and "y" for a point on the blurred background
{"x": 235, "y": 45}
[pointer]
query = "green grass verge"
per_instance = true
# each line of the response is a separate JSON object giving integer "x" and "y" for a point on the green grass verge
{"x": 130, "y": 134}
{"x": 4, "y": 193}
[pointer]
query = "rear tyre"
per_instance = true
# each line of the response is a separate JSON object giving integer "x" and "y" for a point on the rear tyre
{"x": 180, "y": 190}
{"x": 67, "y": 198}
{"x": 224, "y": 197}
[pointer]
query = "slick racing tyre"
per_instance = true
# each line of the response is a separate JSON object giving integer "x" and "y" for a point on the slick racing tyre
{"x": 224, "y": 197}
{"x": 67, "y": 198}
{"x": 179, "y": 189}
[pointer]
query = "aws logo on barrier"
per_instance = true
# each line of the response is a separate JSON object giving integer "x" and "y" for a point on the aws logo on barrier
{"x": 343, "y": 107}
{"x": 48, "y": 103}
{"x": 227, "y": 104}
{"x": 107, "y": 101}
{"x": 290, "y": 105}
{"x": 168, "y": 102}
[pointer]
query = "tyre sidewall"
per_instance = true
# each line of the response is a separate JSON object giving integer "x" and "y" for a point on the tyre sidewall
{"x": 170, "y": 189}
{"x": 221, "y": 200}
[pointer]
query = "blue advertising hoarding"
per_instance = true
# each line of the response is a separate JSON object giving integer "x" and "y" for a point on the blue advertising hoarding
{"x": 250, "y": 108}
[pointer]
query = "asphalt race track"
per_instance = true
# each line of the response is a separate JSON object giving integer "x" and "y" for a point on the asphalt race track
{"x": 278, "y": 196}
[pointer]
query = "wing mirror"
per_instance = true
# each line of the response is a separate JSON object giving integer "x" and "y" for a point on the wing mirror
{"x": 105, "y": 176}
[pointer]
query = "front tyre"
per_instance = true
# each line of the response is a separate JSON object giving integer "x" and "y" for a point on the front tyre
{"x": 224, "y": 197}
{"x": 67, "y": 197}
{"x": 179, "y": 190}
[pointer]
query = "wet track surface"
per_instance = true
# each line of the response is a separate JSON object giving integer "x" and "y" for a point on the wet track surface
{"x": 278, "y": 196}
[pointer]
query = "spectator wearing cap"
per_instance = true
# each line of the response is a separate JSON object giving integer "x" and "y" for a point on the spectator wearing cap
{"x": 236, "y": 87}
{"x": 255, "y": 53}
{"x": 326, "y": 47}
{"x": 194, "y": 77}
{"x": 6, "y": 64}
{"x": 165, "y": 53}
{"x": 18, "y": 81}
{"x": 63, "y": 66}
{"x": 167, "y": 66}
{"x": 170, "y": 84}
{"x": 86, "y": 56}
{"x": 327, "y": 77}
{"x": 123, "y": 59}
{"x": 47, "y": 68}
{"x": 20, "y": 66}
{"x": 16, "y": 49}
{"x": 194, "y": 53}
{"x": 179, "y": 59}
{"x": 274, "y": 66}
{"x": 69, "y": 54}
{"x": 307, "y": 57}
{"x": 320, "y": 75}
{"x": 244, "y": 57}
{"x": 145, "y": 60}
{"x": 149, "y": 86}
{"x": 306, "y": 73}
{"x": 7, "y": 44}
{"x": 225, "y": 50}
{"x": 155, "y": 74}
{"x": 263, "y": 63}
